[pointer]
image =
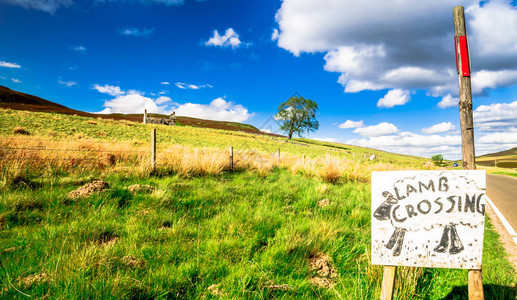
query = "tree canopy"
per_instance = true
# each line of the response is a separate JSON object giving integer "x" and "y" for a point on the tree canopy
{"x": 297, "y": 115}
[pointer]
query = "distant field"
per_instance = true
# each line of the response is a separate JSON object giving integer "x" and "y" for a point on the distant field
{"x": 294, "y": 228}
{"x": 504, "y": 159}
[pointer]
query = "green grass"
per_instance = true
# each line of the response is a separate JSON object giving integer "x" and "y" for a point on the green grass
{"x": 243, "y": 232}
{"x": 250, "y": 234}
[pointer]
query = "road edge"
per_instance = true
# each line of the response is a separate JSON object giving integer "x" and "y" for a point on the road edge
{"x": 503, "y": 220}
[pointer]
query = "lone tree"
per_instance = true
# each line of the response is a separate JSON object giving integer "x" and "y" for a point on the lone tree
{"x": 298, "y": 115}
{"x": 437, "y": 159}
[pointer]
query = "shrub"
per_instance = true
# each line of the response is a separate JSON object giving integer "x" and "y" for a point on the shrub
{"x": 437, "y": 159}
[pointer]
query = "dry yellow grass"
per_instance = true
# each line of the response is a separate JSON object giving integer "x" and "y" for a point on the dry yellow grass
{"x": 48, "y": 157}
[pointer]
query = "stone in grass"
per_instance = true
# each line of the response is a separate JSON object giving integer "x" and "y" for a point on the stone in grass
{"x": 33, "y": 279}
{"x": 215, "y": 291}
{"x": 133, "y": 262}
{"x": 320, "y": 264}
{"x": 324, "y": 202}
{"x": 88, "y": 189}
{"x": 136, "y": 188}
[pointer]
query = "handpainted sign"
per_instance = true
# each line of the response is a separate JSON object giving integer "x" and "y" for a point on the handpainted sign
{"x": 428, "y": 218}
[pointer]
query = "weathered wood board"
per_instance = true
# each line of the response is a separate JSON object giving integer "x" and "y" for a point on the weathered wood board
{"x": 428, "y": 218}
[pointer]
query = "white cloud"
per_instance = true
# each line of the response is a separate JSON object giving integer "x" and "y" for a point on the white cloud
{"x": 496, "y": 116}
{"x": 394, "y": 97}
{"x": 49, "y": 6}
{"x": 351, "y": 124}
{"x": 265, "y": 130}
{"x": 439, "y": 128}
{"x": 218, "y": 110}
{"x": 229, "y": 39}
{"x": 67, "y": 83}
{"x": 6, "y": 64}
{"x": 16, "y": 80}
{"x": 491, "y": 79}
{"x": 185, "y": 86}
{"x": 414, "y": 144}
{"x": 80, "y": 49}
{"x": 108, "y": 89}
{"x": 162, "y": 99}
{"x": 380, "y": 129}
{"x": 448, "y": 101}
{"x": 132, "y": 102}
{"x": 404, "y": 45}
{"x": 131, "y": 31}
{"x": 275, "y": 34}
{"x": 500, "y": 138}
{"x": 165, "y": 83}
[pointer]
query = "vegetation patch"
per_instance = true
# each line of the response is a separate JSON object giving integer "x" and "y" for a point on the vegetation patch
{"x": 88, "y": 189}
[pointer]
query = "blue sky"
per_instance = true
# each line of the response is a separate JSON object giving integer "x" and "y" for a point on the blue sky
{"x": 383, "y": 77}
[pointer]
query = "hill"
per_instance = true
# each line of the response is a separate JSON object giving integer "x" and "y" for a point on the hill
{"x": 11, "y": 99}
{"x": 502, "y": 159}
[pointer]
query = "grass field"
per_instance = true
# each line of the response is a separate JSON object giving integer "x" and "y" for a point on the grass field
{"x": 295, "y": 229}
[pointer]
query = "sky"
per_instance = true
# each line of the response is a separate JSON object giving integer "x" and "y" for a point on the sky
{"x": 383, "y": 73}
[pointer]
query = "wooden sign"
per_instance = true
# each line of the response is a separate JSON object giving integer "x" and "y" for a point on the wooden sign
{"x": 428, "y": 218}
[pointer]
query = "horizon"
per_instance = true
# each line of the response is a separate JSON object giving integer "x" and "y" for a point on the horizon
{"x": 383, "y": 73}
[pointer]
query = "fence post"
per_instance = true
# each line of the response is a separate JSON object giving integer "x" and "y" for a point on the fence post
{"x": 145, "y": 116}
{"x": 153, "y": 149}
{"x": 278, "y": 155}
{"x": 304, "y": 159}
{"x": 231, "y": 158}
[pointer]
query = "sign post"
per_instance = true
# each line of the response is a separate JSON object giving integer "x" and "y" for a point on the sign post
{"x": 427, "y": 219}
{"x": 475, "y": 281}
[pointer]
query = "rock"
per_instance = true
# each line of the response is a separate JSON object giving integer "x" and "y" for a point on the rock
{"x": 324, "y": 202}
{"x": 89, "y": 189}
{"x": 135, "y": 188}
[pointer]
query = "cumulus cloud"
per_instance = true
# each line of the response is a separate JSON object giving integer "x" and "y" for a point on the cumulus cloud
{"x": 448, "y": 101}
{"x": 165, "y": 83}
{"x": 49, "y": 6}
{"x": 6, "y": 64}
{"x": 496, "y": 116}
{"x": 275, "y": 34}
{"x": 229, "y": 39}
{"x": 131, "y": 31}
{"x": 131, "y": 103}
{"x": 416, "y": 144}
{"x": 16, "y": 80}
{"x": 162, "y": 99}
{"x": 80, "y": 49}
{"x": 67, "y": 83}
{"x": 380, "y": 129}
{"x": 439, "y": 128}
{"x": 265, "y": 130}
{"x": 219, "y": 110}
{"x": 406, "y": 45}
{"x": 185, "y": 86}
{"x": 351, "y": 124}
{"x": 108, "y": 89}
{"x": 394, "y": 97}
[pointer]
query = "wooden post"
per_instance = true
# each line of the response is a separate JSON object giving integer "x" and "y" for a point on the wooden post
{"x": 145, "y": 116}
{"x": 231, "y": 158}
{"x": 475, "y": 281}
{"x": 304, "y": 159}
{"x": 278, "y": 155}
{"x": 388, "y": 282}
{"x": 153, "y": 149}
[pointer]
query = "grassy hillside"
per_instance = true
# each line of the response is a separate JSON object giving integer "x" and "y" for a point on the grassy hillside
{"x": 292, "y": 228}
{"x": 503, "y": 159}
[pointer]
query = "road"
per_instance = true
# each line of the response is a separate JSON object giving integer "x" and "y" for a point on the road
{"x": 502, "y": 190}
